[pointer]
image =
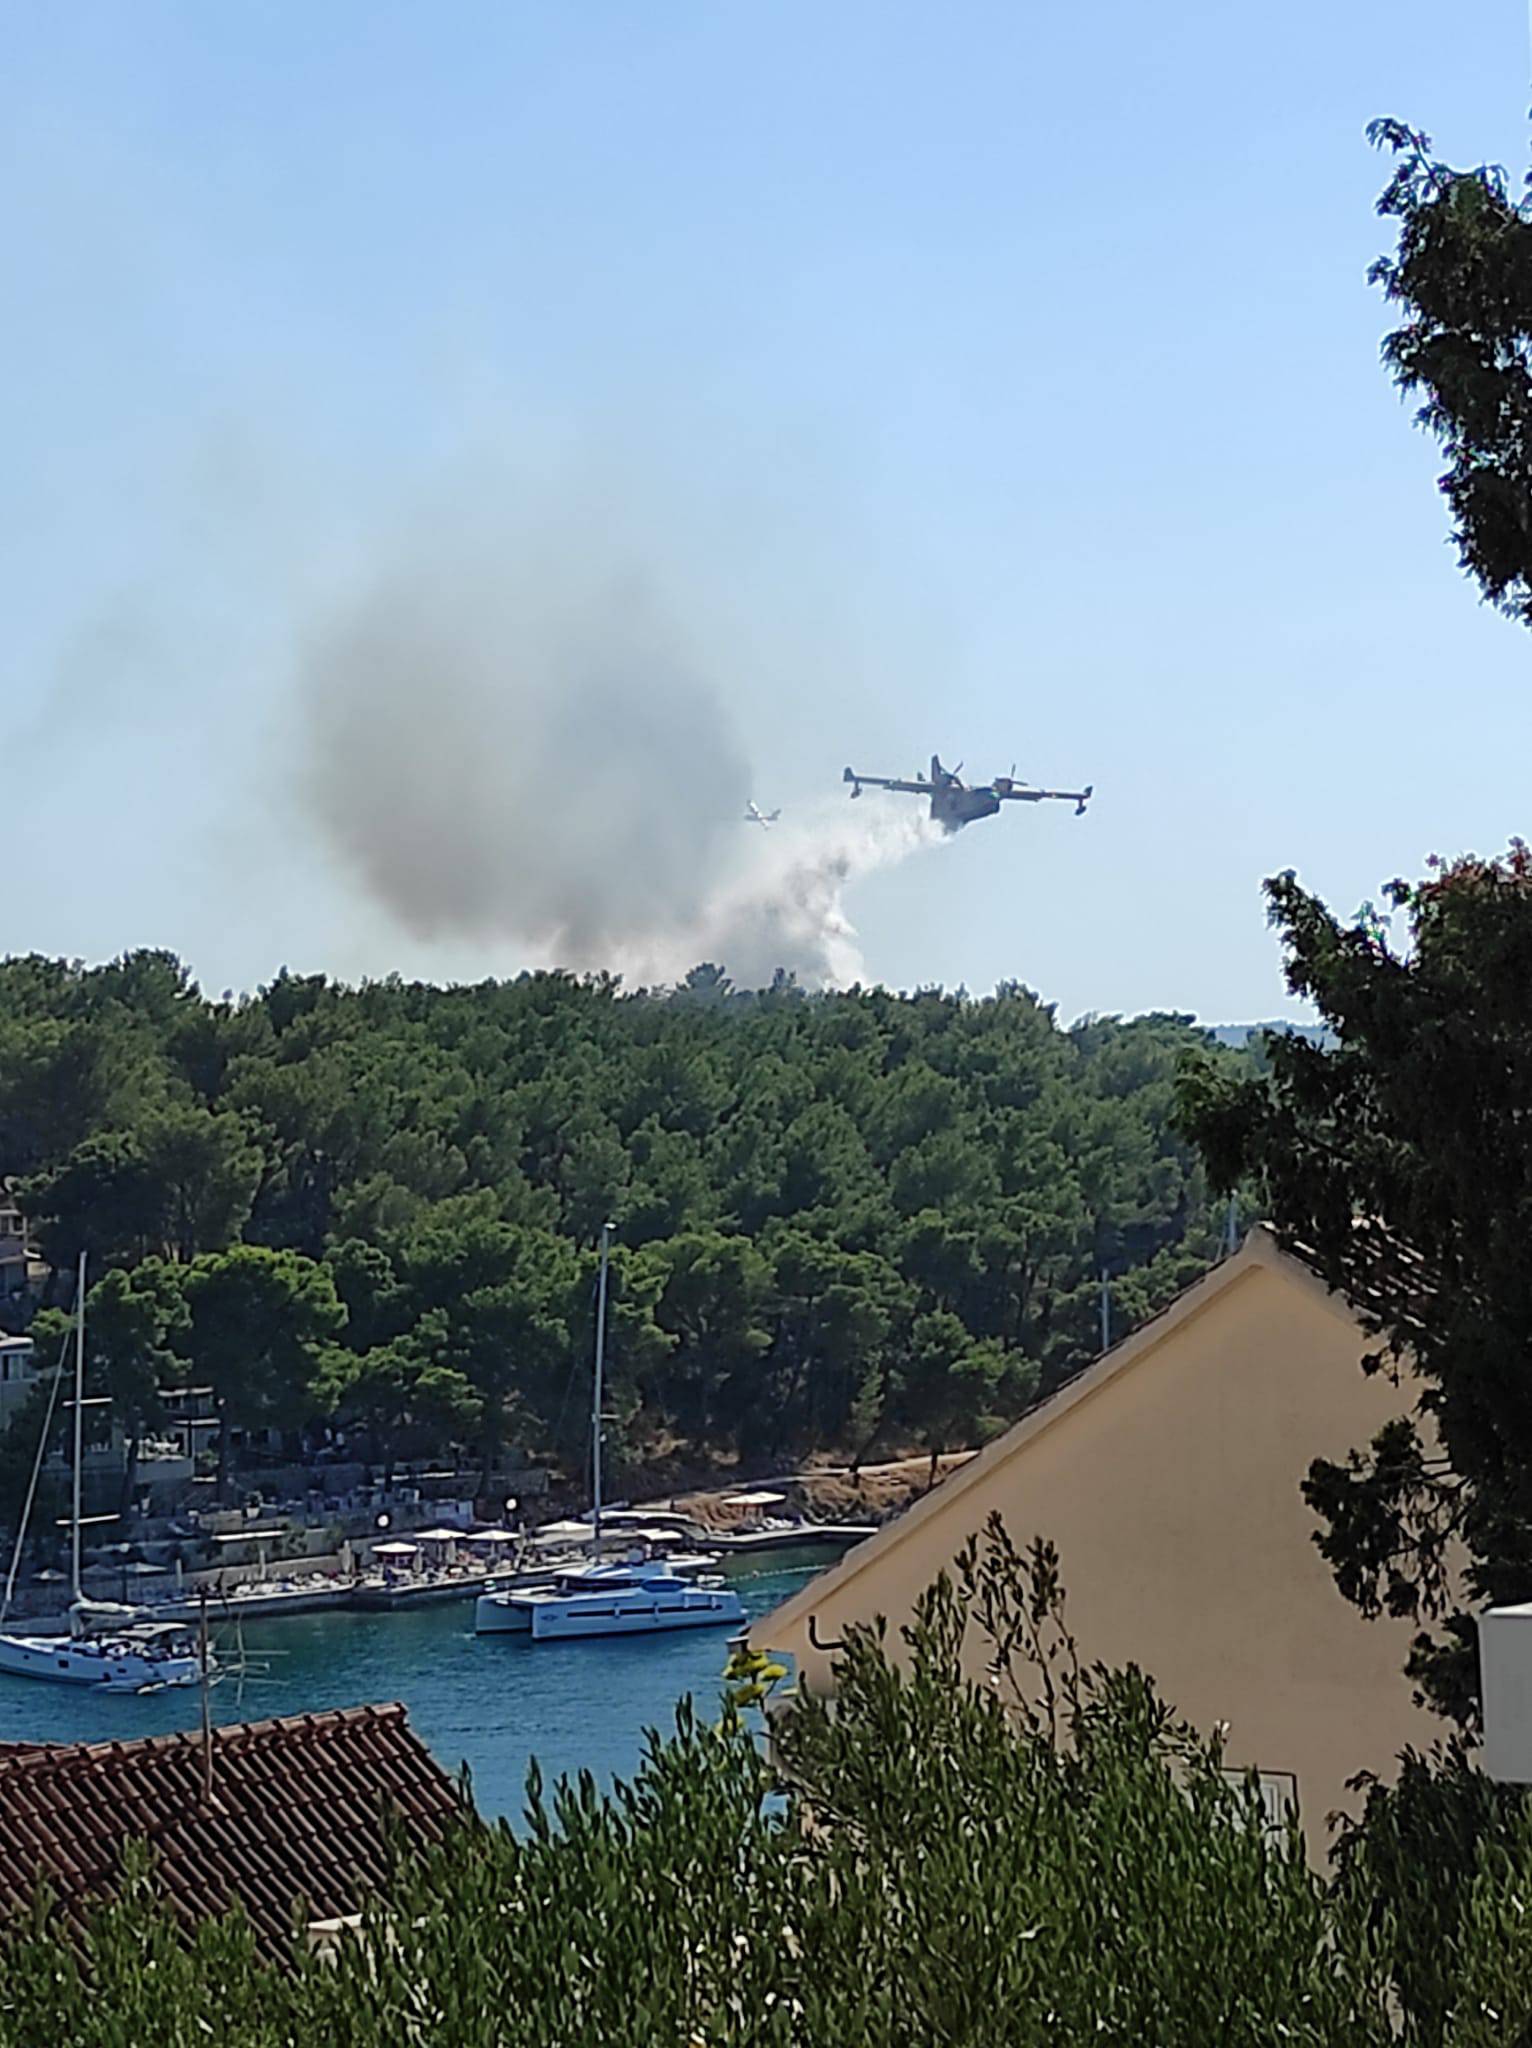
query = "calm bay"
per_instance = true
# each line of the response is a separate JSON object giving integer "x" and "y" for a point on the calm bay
{"x": 492, "y": 1702}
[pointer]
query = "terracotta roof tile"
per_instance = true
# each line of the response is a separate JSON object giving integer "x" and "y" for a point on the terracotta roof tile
{"x": 301, "y": 1815}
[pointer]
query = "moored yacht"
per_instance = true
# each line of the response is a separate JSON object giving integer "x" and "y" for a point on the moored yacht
{"x": 132, "y": 1659}
{"x": 106, "y": 1647}
{"x": 638, "y": 1596}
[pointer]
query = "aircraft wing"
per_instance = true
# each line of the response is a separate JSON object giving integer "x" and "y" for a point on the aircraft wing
{"x": 884, "y": 782}
{"x": 1018, "y": 795}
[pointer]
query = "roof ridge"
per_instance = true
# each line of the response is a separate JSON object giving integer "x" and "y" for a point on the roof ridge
{"x": 1261, "y": 1248}
{"x": 318, "y": 1724}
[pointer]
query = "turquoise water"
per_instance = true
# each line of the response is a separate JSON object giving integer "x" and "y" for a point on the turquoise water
{"x": 493, "y": 1702}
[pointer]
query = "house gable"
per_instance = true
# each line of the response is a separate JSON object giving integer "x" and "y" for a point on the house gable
{"x": 1169, "y": 1477}
{"x": 1260, "y": 1252}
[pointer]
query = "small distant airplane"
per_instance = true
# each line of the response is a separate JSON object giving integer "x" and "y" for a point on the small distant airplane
{"x": 954, "y": 804}
{"x": 754, "y": 816}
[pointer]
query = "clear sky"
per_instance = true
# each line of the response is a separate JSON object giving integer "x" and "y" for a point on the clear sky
{"x": 994, "y": 378}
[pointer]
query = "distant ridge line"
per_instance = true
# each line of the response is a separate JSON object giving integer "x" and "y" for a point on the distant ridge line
{"x": 1239, "y": 1035}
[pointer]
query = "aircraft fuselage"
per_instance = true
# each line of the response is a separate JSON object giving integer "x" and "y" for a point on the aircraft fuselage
{"x": 954, "y": 807}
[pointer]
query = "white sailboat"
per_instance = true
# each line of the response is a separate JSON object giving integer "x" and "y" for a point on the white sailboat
{"x": 116, "y": 1658}
{"x": 636, "y": 1596}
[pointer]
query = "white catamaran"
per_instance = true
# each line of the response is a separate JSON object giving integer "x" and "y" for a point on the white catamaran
{"x": 637, "y": 1596}
{"x": 99, "y": 1650}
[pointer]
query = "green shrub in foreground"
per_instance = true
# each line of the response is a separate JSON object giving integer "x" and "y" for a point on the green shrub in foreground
{"x": 1045, "y": 1856}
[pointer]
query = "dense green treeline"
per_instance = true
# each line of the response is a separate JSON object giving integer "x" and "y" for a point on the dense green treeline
{"x": 842, "y": 1220}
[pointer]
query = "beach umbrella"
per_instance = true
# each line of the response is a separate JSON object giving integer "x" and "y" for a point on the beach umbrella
{"x": 438, "y": 1535}
{"x": 492, "y": 1536}
{"x": 395, "y": 1549}
{"x": 567, "y": 1529}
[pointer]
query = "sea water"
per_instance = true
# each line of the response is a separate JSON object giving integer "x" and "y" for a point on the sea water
{"x": 492, "y": 1702}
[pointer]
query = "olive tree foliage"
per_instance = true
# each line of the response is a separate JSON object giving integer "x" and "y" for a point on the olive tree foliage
{"x": 1041, "y": 1854}
{"x": 1428, "y": 1871}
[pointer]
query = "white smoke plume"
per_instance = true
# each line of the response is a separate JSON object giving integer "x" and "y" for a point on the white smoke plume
{"x": 516, "y": 743}
{"x": 780, "y": 900}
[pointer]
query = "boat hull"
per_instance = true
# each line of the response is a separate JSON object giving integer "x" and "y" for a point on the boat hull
{"x": 494, "y": 1614}
{"x": 571, "y": 1620}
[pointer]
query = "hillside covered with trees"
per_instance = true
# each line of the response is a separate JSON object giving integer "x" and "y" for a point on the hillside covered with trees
{"x": 842, "y": 1220}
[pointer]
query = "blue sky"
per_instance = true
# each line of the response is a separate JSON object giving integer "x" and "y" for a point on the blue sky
{"x": 989, "y": 378}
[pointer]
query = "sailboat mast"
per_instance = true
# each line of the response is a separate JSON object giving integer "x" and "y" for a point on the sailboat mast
{"x": 595, "y": 1424}
{"x": 79, "y": 1427}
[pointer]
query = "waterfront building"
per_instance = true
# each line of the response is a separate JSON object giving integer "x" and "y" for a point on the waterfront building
{"x": 20, "y": 1370}
{"x": 1168, "y": 1475}
{"x": 18, "y": 1373}
{"x": 16, "y": 1258}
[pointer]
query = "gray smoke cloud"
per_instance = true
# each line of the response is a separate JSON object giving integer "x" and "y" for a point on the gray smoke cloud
{"x": 522, "y": 743}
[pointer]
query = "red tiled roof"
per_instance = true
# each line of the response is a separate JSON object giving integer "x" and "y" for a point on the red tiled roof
{"x": 302, "y": 1816}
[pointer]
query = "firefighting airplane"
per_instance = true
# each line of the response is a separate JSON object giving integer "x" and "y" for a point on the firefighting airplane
{"x": 754, "y": 816}
{"x": 954, "y": 804}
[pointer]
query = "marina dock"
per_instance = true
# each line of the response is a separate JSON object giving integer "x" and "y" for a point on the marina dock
{"x": 387, "y": 1591}
{"x": 831, "y": 1535}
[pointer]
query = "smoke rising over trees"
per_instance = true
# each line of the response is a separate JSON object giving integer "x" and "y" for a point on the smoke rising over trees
{"x": 509, "y": 732}
{"x": 496, "y": 757}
